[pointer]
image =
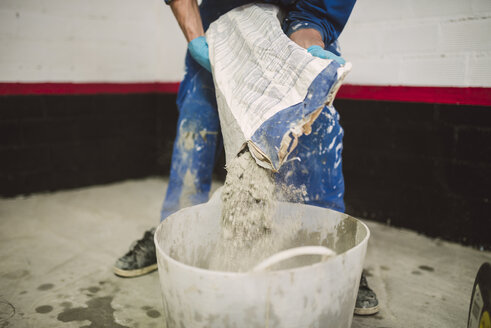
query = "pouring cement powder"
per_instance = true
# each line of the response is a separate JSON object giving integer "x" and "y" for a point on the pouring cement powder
{"x": 247, "y": 199}
{"x": 249, "y": 233}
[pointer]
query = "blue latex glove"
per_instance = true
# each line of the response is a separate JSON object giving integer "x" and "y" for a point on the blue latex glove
{"x": 318, "y": 51}
{"x": 198, "y": 48}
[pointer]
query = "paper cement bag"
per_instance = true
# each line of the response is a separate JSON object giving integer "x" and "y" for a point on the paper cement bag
{"x": 269, "y": 89}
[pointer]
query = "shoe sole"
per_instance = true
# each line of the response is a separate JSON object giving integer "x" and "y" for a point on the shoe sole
{"x": 134, "y": 273}
{"x": 366, "y": 311}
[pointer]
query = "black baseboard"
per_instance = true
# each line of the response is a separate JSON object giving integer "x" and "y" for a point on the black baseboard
{"x": 65, "y": 141}
{"x": 426, "y": 167}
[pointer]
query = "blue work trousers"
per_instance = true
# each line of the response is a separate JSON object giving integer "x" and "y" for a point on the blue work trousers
{"x": 315, "y": 163}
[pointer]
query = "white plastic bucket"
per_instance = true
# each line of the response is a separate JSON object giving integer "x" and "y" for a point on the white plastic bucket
{"x": 321, "y": 294}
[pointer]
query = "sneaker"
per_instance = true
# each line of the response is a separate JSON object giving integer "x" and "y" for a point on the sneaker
{"x": 366, "y": 300}
{"x": 140, "y": 259}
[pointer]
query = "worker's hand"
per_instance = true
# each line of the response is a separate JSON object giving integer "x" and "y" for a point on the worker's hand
{"x": 318, "y": 51}
{"x": 311, "y": 39}
{"x": 198, "y": 48}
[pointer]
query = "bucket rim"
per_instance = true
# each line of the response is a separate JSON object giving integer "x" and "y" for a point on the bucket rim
{"x": 183, "y": 265}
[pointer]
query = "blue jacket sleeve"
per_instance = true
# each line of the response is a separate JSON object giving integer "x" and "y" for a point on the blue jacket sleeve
{"x": 327, "y": 16}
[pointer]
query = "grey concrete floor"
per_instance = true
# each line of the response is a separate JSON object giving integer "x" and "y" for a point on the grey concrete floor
{"x": 57, "y": 250}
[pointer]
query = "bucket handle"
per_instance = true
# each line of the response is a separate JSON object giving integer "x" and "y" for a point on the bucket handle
{"x": 293, "y": 252}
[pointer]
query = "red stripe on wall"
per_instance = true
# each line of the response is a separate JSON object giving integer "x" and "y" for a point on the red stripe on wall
{"x": 442, "y": 95}
{"x": 86, "y": 88}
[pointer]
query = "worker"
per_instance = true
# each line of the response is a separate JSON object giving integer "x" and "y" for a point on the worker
{"x": 314, "y": 25}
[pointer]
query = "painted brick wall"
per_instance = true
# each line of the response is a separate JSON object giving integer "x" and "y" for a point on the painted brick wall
{"x": 89, "y": 40}
{"x": 390, "y": 42}
{"x": 416, "y": 42}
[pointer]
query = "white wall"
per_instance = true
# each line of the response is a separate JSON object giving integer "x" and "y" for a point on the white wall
{"x": 89, "y": 40}
{"x": 389, "y": 42}
{"x": 419, "y": 42}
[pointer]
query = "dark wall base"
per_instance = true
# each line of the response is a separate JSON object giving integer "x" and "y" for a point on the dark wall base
{"x": 426, "y": 167}
{"x": 421, "y": 166}
{"x": 57, "y": 142}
